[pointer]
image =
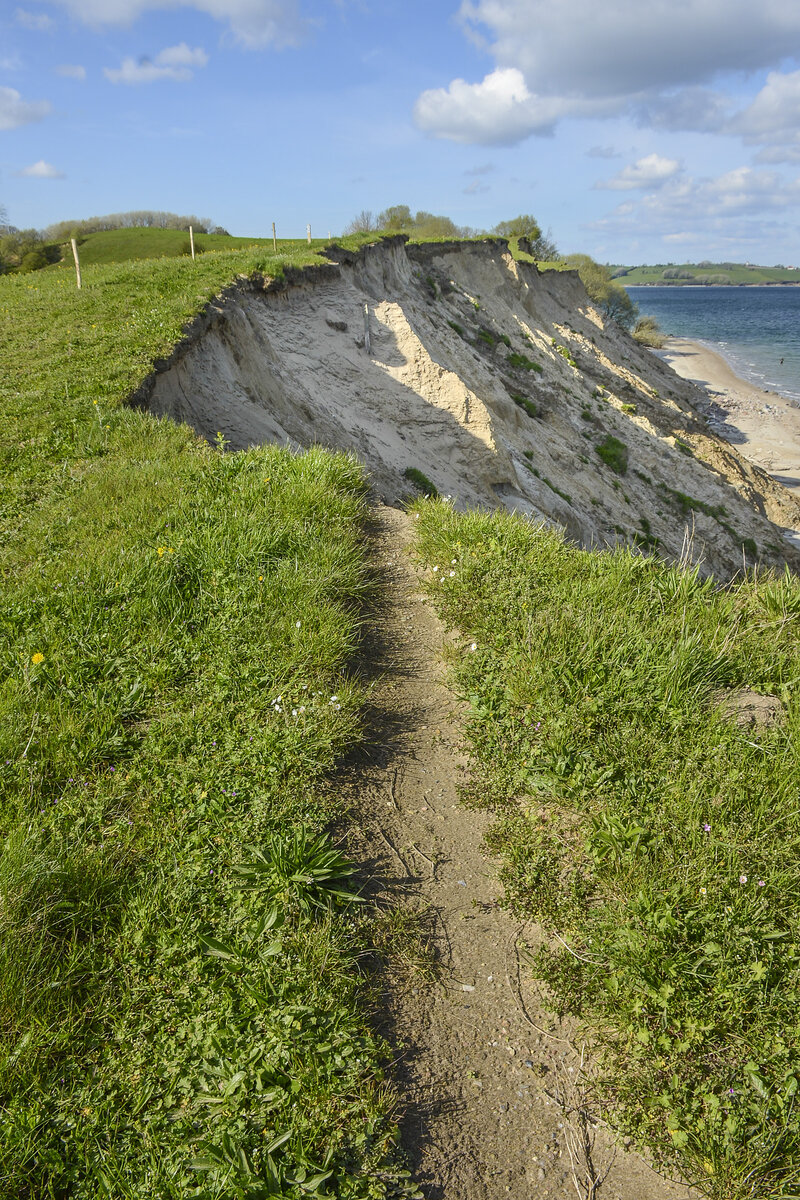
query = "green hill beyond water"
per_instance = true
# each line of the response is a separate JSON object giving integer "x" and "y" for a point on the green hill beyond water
{"x": 705, "y": 274}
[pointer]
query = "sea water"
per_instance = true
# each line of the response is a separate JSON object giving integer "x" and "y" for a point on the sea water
{"x": 756, "y": 329}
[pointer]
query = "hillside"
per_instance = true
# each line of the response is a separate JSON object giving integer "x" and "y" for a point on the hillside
{"x": 502, "y": 386}
{"x": 706, "y": 274}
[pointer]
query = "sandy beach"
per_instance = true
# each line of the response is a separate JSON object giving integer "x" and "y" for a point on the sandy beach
{"x": 764, "y": 426}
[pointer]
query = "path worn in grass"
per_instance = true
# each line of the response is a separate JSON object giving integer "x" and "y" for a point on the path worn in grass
{"x": 495, "y": 1105}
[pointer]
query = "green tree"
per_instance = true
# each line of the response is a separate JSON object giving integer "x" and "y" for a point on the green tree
{"x": 522, "y": 226}
{"x": 396, "y": 219}
{"x": 610, "y": 296}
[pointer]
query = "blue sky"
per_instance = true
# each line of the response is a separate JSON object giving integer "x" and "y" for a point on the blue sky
{"x": 658, "y": 131}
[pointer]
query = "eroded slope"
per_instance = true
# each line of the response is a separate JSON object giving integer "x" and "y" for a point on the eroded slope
{"x": 502, "y": 385}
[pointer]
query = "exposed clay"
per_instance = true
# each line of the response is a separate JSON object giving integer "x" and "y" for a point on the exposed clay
{"x": 497, "y": 1102}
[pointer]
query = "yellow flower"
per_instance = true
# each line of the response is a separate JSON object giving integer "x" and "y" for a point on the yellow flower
{"x": 702, "y": 891}
{"x": 37, "y": 658}
{"x": 162, "y": 550}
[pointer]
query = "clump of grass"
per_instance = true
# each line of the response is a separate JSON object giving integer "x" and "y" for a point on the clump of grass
{"x": 458, "y": 328}
{"x": 614, "y": 454}
{"x": 629, "y": 408}
{"x": 420, "y": 482}
{"x": 684, "y": 447}
{"x": 523, "y": 363}
{"x": 564, "y": 352}
{"x": 525, "y": 404}
{"x": 636, "y": 821}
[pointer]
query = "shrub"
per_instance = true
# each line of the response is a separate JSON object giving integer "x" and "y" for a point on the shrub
{"x": 647, "y": 332}
{"x": 421, "y": 482}
{"x": 523, "y": 362}
{"x": 614, "y": 454}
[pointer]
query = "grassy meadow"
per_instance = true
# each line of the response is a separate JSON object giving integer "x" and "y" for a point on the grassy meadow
{"x": 657, "y": 839}
{"x": 185, "y": 985}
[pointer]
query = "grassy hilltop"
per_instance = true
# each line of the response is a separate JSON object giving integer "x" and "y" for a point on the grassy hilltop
{"x": 185, "y": 980}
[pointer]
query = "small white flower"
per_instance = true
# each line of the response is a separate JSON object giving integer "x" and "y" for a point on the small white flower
{"x": 474, "y": 646}
{"x": 452, "y": 573}
{"x": 742, "y": 879}
{"x": 294, "y": 712}
{"x": 297, "y": 624}
{"x": 334, "y": 699}
{"x": 453, "y": 562}
{"x": 435, "y": 569}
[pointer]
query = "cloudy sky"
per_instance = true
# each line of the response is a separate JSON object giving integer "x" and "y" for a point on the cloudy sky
{"x": 635, "y": 130}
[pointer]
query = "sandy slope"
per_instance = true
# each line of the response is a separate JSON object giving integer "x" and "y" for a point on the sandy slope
{"x": 435, "y": 387}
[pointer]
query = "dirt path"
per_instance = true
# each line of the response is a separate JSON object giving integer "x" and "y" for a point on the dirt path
{"x": 483, "y": 1067}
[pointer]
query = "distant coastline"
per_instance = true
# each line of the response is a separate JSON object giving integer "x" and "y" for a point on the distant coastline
{"x": 687, "y": 283}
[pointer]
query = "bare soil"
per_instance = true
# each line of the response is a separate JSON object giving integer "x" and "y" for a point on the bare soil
{"x": 496, "y": 1089}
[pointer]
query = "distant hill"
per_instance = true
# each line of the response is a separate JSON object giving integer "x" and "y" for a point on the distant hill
{"x": 124, "y": 245}
{"x": 706, "y": 274}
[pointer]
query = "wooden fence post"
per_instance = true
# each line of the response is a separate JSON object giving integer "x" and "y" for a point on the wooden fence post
{"x": 77, "y": 260}
{"x": 274, "y": 239}
{"x": 308, "y": 233}
{"x": 191, "y": 241}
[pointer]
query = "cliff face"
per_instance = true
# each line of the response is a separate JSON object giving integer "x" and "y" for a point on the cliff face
{"x": 502, "y": 385}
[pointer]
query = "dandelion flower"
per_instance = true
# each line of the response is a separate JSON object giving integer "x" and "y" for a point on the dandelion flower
{"x": 37, "y": 658}
{"x": 742, "y": 879}
{"x": 161, "y": 550}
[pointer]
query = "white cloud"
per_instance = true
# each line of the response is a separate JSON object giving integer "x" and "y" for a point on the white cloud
{"x": 578, "y": 58}
{"x": 253, "y": 23}
{"x": 39, "y": 22}
{"x": 694, "y": 109}
{"x": 14, "y": 111}
{"x": 71, "y": 71}
{"x": 499, "y": 111}
{"x": 653, "y": 171}
{"x": 739, "y": 207}
{"x": 41, "y": 170}
{"x": 621, "y": 47}
{"x": 175, "y": 62}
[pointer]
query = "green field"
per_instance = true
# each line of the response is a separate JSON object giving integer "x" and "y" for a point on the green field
{"x": 126, "y": 245}
{"x": 713, "y": 273}
{"x": 185, "y": 983}
{"x": 657, "y": 839}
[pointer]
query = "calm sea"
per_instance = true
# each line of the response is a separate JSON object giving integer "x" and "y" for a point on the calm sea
{"x": 754, "y": 328}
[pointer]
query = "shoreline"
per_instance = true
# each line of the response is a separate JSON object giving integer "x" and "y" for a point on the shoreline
{"x": 763, "y": 425}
